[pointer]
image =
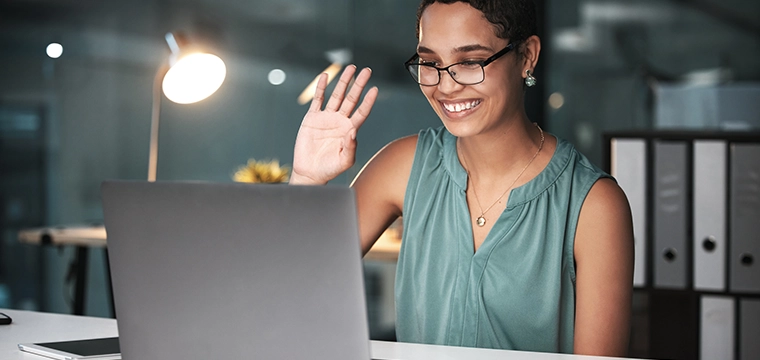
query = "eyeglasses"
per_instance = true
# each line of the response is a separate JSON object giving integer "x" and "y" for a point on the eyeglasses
{"x": 465, "y": 72}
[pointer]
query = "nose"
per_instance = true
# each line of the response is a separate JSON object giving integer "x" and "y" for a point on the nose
{"x": 447, "y": 85}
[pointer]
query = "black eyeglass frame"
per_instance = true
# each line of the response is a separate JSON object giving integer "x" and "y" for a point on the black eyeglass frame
{"x": 482, "y": 64}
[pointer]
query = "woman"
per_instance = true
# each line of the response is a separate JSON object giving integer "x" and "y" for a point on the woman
{"x": 512, "y": 239}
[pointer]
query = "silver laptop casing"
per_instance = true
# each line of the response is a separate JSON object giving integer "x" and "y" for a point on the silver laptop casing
{"x": 235, "y": 271}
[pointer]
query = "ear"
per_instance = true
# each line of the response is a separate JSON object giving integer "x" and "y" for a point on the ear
{"x": 531, "y": 50}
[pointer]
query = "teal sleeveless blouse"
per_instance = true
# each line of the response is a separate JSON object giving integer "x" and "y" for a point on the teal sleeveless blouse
{"x": 518, "y": 290}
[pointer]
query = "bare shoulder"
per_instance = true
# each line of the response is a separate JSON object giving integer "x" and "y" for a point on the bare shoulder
{"x": 604, "y": 197}
{"x": 392, "y": 161}
{"x": 380, "y": 188}
{"x": 605, "y": 217}
{"x": 385, "y": 175}
{"x": 399, "y": 149}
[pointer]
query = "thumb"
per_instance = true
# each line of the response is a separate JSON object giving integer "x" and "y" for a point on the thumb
{"x": 349, "y": 146}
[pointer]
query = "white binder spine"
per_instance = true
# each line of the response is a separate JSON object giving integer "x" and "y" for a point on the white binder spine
{"x": 709, "y": 214}
{"x": 717, "y": 328}
{"x": 628, "y": 166}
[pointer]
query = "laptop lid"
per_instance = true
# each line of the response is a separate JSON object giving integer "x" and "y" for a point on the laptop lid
{"x": 234, "y": 271}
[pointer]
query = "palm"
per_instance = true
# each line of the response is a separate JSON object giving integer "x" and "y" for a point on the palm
{"x": 326, "y": 142}
{"x": 321, "y": 151}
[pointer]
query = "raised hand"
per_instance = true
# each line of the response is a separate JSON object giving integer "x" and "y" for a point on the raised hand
{"x": 326, "y": 142}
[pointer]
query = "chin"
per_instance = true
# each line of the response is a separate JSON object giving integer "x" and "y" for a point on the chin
{"x": 459, "y": 128}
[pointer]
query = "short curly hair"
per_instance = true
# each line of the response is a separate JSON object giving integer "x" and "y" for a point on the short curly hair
{"x": 514, "y": 20}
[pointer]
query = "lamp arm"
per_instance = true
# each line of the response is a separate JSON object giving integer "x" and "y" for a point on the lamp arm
{"x": 154, "y": 121}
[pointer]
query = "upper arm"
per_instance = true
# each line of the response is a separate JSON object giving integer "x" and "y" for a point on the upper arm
{"x": 380, "y": 188}
{"x": 604, "y": 272}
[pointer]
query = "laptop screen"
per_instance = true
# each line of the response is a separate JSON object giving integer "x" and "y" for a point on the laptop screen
{"x": 205, "y": 270}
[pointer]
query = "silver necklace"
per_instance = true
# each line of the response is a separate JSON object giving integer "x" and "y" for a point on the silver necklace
{"x": 481, "y": 220}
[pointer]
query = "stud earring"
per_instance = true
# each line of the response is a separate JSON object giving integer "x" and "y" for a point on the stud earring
{"x": 530, "y": 80}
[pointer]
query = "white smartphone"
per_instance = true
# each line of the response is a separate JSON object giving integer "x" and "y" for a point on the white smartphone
{"x": 100, "y": 349}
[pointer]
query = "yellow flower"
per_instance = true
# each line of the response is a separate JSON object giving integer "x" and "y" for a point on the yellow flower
{"x": 262, "y": 172}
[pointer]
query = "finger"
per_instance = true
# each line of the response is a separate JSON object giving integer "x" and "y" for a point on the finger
{"x": 364, "y": 109}
{"x": 356, "y": 92}
{"x": 340, "y": 89}
{"x": 319, "y": 94}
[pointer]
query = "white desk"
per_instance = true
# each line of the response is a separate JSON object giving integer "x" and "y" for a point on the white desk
{"x": 90, "y": 236}
{"x": 30, "y": 326}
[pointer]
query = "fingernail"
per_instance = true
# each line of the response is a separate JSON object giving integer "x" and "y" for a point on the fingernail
{"x": 368, "y": 68}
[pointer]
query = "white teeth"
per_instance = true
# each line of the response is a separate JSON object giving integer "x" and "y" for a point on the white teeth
{"x": 461, "y": 106}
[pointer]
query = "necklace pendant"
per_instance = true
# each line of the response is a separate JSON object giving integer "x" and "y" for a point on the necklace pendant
{"x": 481, "y": 221}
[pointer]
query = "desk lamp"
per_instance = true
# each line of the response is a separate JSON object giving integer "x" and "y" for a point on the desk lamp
{"x": 189, "y": 76}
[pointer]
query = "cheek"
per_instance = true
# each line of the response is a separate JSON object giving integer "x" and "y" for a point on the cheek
{"x": 496, "y": 90}
{"x": 505, "y": 86}
{"x": 428, "y": 92}
{"x": 508, "y": 77}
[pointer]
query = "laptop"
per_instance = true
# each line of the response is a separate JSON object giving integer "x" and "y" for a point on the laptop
{"x": 235, "y": 271}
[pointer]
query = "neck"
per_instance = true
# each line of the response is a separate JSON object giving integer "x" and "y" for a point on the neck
{"x": 493, "y": 156}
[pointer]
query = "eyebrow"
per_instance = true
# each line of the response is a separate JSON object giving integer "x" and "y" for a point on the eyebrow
{"x": 461, "y": 49}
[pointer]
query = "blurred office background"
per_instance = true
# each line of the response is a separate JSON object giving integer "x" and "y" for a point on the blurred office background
{"x": 68, "y": 123}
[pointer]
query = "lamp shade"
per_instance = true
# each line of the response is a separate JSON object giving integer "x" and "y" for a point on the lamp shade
{"x": 194, "y": 77}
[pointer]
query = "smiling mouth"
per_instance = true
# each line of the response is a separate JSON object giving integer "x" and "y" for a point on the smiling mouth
{"x": 460, "y": 106}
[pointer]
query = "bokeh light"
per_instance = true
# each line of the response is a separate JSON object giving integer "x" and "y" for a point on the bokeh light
{"x": 54, "y": 50}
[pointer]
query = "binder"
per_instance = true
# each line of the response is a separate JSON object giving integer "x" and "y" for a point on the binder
{"x": 744, "y": 259}
{"x": 628, "y": 166}
{"x": 709, "y": 239}
{"x": 670, "y": 214}
{"x": 716, "y": 333}
{"x": 749, "y": 329}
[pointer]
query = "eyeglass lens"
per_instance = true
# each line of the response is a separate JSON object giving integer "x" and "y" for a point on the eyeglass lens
{"x": 465, "y": 73}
